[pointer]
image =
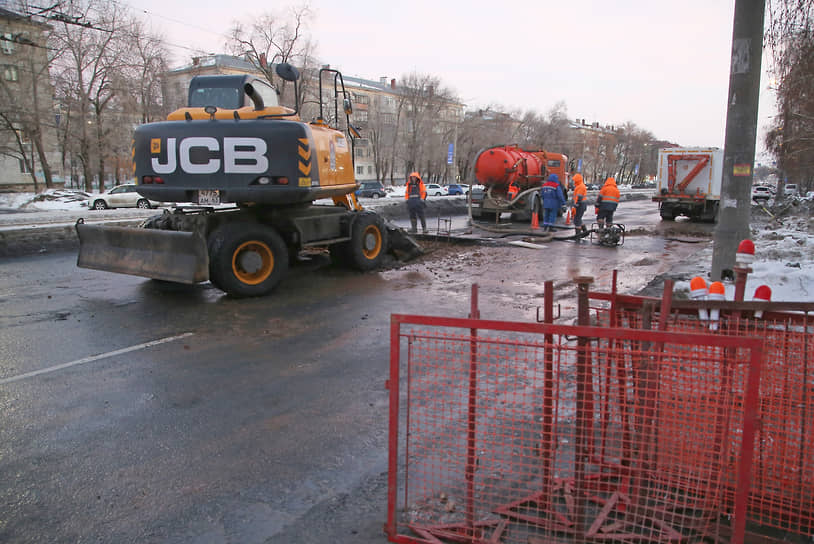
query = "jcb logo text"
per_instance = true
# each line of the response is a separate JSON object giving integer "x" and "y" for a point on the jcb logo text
{"x": 240, "y": 156}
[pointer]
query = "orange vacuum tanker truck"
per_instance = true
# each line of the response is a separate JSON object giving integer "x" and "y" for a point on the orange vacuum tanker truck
{"x": 511, "y": 178}
{"x": 253, "y": 169}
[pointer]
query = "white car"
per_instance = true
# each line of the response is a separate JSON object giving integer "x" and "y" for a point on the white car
{"x": 121, "y": 196}
{"x": 433, "y": 189}
{"x": 761, "y": 193}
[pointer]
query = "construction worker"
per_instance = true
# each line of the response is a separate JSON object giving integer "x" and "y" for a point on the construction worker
{"x": 580, "y": 204}
{"x": 553, "y": 200}
{"x": 415, "y": 195}
{"x": 512, "y": 191}
{"x": 606, "y": 203}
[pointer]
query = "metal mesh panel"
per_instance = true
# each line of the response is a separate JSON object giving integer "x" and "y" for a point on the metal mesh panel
{"x": 782, "y": 476}
{"x": 563, "y": 434}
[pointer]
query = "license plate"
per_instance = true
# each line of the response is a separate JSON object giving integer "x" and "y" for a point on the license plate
{"x": 209, "y": 197}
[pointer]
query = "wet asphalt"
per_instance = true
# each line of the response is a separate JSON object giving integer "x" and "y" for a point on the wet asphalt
{"x": 138, "y": 411}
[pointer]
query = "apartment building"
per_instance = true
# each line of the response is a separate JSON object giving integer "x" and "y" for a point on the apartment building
{"x": 27, "y": 103}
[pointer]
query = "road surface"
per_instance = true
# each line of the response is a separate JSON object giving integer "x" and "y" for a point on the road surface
{"x": 137, "y": 411}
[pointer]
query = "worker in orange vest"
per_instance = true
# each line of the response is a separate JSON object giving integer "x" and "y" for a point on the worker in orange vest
{"x": 606, "y": 203}
{"x": 416, "y": 195}
{"x": 580, "y": 204}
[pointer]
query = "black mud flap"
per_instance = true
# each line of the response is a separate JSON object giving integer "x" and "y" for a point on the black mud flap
{"x": 402, "y": 245}
{"x": 151, "y": 253}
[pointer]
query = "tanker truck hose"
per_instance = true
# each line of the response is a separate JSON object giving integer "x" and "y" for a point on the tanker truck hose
{"x": 509, "y": 230}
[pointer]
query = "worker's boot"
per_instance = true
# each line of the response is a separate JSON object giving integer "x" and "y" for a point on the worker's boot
{"x": 414, "y": 225}
{"x": 424, "y": 226}
{"x": 577, "y": 232}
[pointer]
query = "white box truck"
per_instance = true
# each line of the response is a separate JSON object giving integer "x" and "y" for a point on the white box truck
{"x": 689, "y": 182}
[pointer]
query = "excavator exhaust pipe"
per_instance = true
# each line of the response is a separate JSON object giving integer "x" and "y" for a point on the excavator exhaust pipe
{"x": 151, "y": 253}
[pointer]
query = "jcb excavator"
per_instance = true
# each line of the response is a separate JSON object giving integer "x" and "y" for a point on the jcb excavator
{"x": 235, "y": 145}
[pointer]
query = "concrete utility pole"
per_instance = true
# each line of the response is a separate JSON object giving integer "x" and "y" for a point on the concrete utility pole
{"x": 741, "y": 133}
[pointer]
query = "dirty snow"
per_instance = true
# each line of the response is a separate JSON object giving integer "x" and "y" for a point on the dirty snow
{"x": 784, "y": 255}
{"x": 50, "y": 199}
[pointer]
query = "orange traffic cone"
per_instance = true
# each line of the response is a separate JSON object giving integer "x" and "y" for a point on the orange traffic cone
{"x": 535, "y": 221}
{"x": 568, "y": 217}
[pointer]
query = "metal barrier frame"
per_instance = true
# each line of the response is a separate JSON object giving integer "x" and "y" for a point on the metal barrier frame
{"x": 583, "y": 333}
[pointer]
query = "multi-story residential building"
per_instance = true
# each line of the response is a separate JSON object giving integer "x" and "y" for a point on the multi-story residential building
{"x": 26, "y": 103}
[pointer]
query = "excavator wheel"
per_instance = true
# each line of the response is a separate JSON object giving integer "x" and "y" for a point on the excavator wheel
{"x": 367, "y": 246}
{"x": 246, "y": 259}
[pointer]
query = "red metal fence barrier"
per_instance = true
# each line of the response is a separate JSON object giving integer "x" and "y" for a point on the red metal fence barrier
{"x": 782, "y": 476}
{"x": 506, "y": 432}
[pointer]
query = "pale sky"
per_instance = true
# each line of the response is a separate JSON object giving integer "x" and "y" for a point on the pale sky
{"x": 661, "y": 65}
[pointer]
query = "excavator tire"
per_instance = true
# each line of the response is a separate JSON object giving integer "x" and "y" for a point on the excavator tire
{"x": 246, "y": 259}
{"x": 367, "y": 246}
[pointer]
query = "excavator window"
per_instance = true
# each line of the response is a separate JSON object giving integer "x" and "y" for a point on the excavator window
{"x": 223, "y": 97}
{"x": 266, "y": 91}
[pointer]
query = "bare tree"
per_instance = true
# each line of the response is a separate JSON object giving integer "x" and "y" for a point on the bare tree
{"x": 85, "y": 75}
{"x": 423, "y": 109}
{"x": 274, "y": 38}
{"x": 790, "y": 39}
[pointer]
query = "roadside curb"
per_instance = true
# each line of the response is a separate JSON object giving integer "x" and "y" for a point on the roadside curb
{"x": 17, "y": 241}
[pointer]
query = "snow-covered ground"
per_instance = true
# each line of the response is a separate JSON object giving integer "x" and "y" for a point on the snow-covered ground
{"x": 51, "y": 199}
{"x": 784, "y": 254}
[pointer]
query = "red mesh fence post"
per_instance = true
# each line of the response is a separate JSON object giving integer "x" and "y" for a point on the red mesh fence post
{"x": 741, "y": 273}
{"x": 584, "y": 409}
{"x": 392, "y": 458}
{"x": 474, "y": 313}
{"x": 547, "y": 439}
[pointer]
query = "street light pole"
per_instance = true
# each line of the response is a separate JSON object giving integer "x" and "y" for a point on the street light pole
{"x": 741, "y": 133}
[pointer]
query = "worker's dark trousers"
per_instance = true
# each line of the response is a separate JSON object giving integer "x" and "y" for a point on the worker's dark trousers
{"x": 580, "y": 211}
{"x": 416, "y": 208}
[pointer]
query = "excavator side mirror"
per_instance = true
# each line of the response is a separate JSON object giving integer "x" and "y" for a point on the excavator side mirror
{"x": 354, "y": 131}
{"x": 287, "y": 72}
{"x": 348, "y": 106}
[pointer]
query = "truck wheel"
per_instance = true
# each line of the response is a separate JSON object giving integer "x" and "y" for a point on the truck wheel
{"x": 667, "y": 214}
{"x": 246, "y": 259}
{"x": 368, "y": 243}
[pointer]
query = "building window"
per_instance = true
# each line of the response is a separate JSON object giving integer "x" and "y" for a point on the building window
{"x": 7, "y": 43}
{"x": 388, "y": 119}
{"x": 360, "y": 116}
{"x": 370, "y": 170}
{"x": 361, "y": 98}
{"x": 360, "y": 170}
{"x": 10, "y": 73}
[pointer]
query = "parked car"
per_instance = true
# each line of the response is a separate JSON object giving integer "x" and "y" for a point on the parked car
{"x": 790, "y": 189}
{"x": 464, "y": 187}
{"x": 121, "y": 196}
{"x": 371, "y": 189}
{"x": 760, "y": 193}
{"x": 455, "y": 189}
{"x": 433, "y": 189}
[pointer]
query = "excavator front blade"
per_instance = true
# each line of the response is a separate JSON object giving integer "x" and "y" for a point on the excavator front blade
{"x": 159, "y": 254}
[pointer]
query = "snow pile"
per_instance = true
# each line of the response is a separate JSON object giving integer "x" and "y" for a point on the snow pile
{"x": 784, "y": 256}
{"x": 50, "y": 199}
